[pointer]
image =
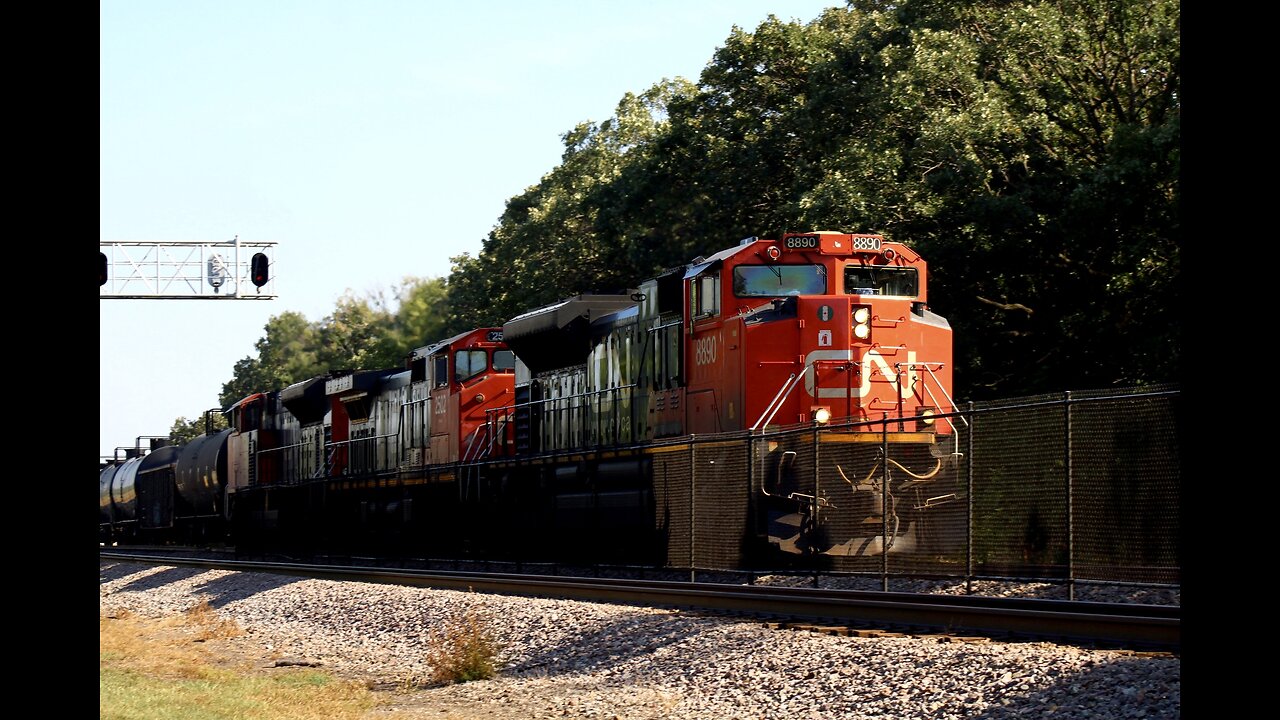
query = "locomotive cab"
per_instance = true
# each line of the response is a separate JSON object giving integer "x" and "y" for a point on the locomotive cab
{"x": 829, "y": 327}
{"x": 471, "y": 376}
{"x": 262, "y": 431}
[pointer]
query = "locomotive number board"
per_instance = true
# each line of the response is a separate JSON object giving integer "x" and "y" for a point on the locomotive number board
{"x": 802, "y": 242}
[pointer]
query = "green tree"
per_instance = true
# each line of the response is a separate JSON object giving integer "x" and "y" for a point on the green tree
{"x": 362, "y": 333}
{"x": 287, "y": 353}
{"x": 1037, "y": 169}
{"x": 1029, "y": 150}
{"x": 356, "y": 335}
{"x": 421, "y": 316}
{"x": 184, "y": 430}
{"x": 547, "y": 245}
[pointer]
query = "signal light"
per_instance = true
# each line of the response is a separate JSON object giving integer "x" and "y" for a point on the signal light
{"x": 258, "y": 274}
{"x": 102, "y": 269}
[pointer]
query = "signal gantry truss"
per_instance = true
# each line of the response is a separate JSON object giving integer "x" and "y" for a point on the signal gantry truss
{"x": 185, "y": 270}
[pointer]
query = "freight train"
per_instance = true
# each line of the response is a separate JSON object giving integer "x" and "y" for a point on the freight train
{"x": 779, "y": 399}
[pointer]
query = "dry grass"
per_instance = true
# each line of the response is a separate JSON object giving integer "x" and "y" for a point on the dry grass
{"x": 462, "y": 650}
{"x": 154, "y": 668}
{"x": 209, "y": 625}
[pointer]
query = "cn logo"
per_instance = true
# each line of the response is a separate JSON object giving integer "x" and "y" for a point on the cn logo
{"x": 872, "y": 364}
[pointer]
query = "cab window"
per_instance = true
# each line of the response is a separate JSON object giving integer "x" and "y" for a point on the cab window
{"x": 249, "y": 417}
{"x": 706, "y": 295}
{"x": 873, "y": 280}
{"x": 469, "y": 363}
{"x": 504, "y": 361}
{"x": 440, "y": 370}
{"x": 779, "y": 280}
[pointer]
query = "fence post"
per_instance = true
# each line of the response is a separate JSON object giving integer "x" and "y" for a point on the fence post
{"x": 1071, "y": 575}
{"x": 813, "y": 506}
{"x": 752, "y": 512}
{"x": 884, "y": 501}
{"x": 968, "y": 541}
{"x": 693, "y": 481}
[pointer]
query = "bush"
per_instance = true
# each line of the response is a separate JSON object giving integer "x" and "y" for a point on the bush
{"x": 461, "y": 651}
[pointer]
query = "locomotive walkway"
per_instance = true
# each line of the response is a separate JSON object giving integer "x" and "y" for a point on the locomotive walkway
{"x": 1122, "y": 625}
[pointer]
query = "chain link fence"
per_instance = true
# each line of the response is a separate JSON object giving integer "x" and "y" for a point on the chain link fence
{"x": 1070, "y": 489}
{"x": 1062, "y": 496}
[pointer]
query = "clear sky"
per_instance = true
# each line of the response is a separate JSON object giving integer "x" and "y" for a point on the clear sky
{"x": 371, "y": 140}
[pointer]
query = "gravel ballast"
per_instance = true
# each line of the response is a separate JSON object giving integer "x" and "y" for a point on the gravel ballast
{"x": 564, "y": 658}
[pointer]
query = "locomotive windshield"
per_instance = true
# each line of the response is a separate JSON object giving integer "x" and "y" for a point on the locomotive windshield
{"x": 871, "y": 280}
{"x": 470, "y": 363}
{"x": 779, "y": 280}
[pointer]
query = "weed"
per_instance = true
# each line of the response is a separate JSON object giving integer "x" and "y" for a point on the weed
{"x": 461, "y": 651}
{"x": 209, "y": 624}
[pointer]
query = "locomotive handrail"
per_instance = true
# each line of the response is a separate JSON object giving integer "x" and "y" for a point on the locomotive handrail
{"x": 569, "y": 407}
{"x": 359, "y": 439}
{"x": 530, "y": 403}
{"x": 788, "y": 385}
{"x": 955, "y": 432}
{"x": 928, "y": 369}
{"x": 295, "y": 461}
{"x": 787, "y": 394}
{"x": 499, "y": 430}
{"x": 466, "y": 455}
{"x": 406, "y": 434}
{"x": 656, "y": 328}
{"x": 333, "y": 444}
{"x": 775, "y": 399}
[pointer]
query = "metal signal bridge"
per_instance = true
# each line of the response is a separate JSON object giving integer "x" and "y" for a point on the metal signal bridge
{"x": 187, "y": 270}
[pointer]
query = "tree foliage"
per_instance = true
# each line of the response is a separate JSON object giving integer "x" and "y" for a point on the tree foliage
{"x": 362, "y": 333}
{"x": 1028, "y": 149}
{"x": 184, "y": 430}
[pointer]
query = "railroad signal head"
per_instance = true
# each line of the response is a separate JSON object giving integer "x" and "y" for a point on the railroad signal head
{"x": 102, "y": 269}
{"x": 258, "y": 269}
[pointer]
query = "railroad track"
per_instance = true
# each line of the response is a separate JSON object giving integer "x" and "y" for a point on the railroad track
{"x": 1155, "y": 628}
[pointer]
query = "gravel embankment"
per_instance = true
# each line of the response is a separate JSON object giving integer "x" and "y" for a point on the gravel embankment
{"x": 564, "y": 658}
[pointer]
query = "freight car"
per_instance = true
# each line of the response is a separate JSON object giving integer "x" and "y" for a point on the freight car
{"x": 168, "y": 494}
{"x": 810, "y": 368}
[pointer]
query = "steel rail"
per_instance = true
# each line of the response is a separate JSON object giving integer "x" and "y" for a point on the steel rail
{"x": 1131, "y": 625}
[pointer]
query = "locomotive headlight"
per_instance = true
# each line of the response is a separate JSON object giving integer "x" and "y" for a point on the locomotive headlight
{"x": 862, "y": 322}
{"x": 821, "y": 415}
{"x": 926, "y": 416}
